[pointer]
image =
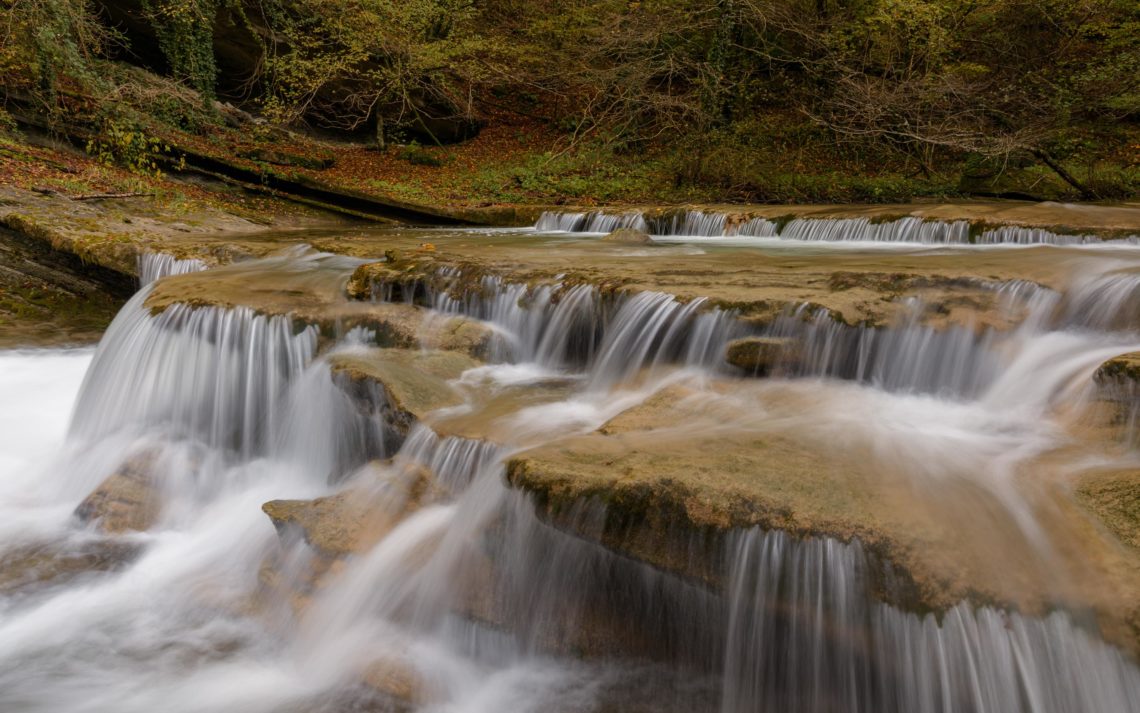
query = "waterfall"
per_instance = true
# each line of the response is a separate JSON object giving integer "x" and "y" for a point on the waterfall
{"x": 907, "y": 230}
{"x": 904, "y": 230}
{"x": 214, "y": 374}
{"x": 804, "y": 635}
{"x": 594, "y": 222}
{"x": 476, "y": 596}
{"x": 153, "y": 266}
{"x": 575, "y": 327}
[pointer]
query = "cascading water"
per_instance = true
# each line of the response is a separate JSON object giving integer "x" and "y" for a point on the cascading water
{"x": 818, "y": 230}
{"x": 468, "y": 600}
{"x": 153, "y": 266}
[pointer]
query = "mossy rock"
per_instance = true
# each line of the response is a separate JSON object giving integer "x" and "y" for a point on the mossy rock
{"x": 628, "y": 236}
{"x": 1125, "y": 367}
{"x": 761, "y": 356}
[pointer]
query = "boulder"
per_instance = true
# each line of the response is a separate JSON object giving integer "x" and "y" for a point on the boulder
{"x": 355, "y": 519}
{"x": 128, "y": 500}
{"x": 398, "y": 683}
{"x": 760, "y": 356}
{"x": 1123, "y": 369}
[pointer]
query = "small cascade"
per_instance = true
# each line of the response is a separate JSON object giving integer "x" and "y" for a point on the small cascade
{"x": 907, "y": 230}
{"x": 756, "y": 228}
{"x": 1016, "y": 235}
{"x": 455, "y": 461}
{"x": 1103, "y": 301}
{"x": 468, "y": 594}
{"x": 547, "y": 325}
{"x": 594, "y": 222}
{"x": 805, "y": 635}
{"x": 575, "y": 327}
{"x": 911, "y": 356}
{"x": 653, "y": 328}
{"x": 693, "y": 222}
{"x": 208, "y": 373}
{"x": 904, "y": 230}
{"x": 153, "y": 266}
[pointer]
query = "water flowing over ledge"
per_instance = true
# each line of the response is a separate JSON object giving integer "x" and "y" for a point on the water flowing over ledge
{"x": 696, "y": 223}
{"x": 214, "y": 374}
{"x": 467, "y": 592}
{"x": 153, "y": 266}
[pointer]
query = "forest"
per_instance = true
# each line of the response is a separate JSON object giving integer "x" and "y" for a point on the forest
{"x": 610, "y": 101}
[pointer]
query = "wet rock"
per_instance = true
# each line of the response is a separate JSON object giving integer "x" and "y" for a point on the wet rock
{"x": 128, "y": 500}
{"x": 1115, "y": 499}
{"x": 654, "y": 491}
{"x": 322, "y": 303}
{"x": 414, "y": 383}
{"x": 398, "y": 681}
{"x": 27, "y": 568}
{"x": 760, "y": 356}
{"x": 629, "y": 236}
{"x": 355, "y": 519}
{"x": 1124, "y": 368}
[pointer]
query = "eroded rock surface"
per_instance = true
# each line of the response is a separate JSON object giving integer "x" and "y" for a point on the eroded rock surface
{"x": 685, "y": 462}
{"x": 128, "y": 500}
{"x": 760, "y": 356}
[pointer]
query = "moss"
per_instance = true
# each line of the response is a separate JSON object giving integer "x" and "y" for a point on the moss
{"x": 1114, "y": 498}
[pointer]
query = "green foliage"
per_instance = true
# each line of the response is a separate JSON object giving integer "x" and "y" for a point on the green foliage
{"x": 185, "y": 31}
{"x": 47, "y": 49}
{"x": 129, "y": 146}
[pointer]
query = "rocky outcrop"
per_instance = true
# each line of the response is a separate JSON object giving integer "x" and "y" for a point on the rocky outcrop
{"x": 128, "y": 500}
{"x": 355, "y": 519}
{"x": 1122, "y": 369}
{"x": 322, "y": 303}
{"x": 414, "y": 383}
{"x": 681, "y": 469}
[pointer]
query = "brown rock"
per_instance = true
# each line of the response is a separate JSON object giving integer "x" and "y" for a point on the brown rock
{"x": 355, "y": 519}
{"x": 127, "y": 500}
{"x": 761, "y": 355}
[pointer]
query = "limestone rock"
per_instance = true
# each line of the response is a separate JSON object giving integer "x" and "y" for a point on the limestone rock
{"x": 1123, "y": 368}
{"x": 127, "y": 500}
{"x": 629, "y": 236}
{"x": 397, "y": 680}
{"x": 414, "y": 382}
{"x": 27, "y": 567}
{"x": 685, "y": 465}
{"x": 355, "y": 519}
{"x": 760, "y": 356}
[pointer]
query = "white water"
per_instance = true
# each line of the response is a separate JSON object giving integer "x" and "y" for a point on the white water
{"x": 853, "y": 231}
{"x": 242, "y": 410}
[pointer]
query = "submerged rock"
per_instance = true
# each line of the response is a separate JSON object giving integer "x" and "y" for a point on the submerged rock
{"x": 27, "y": 568}
{"x": 397, "y": 681}
{"x": 127, "y": 500}
{"x": 629, "y": 236}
